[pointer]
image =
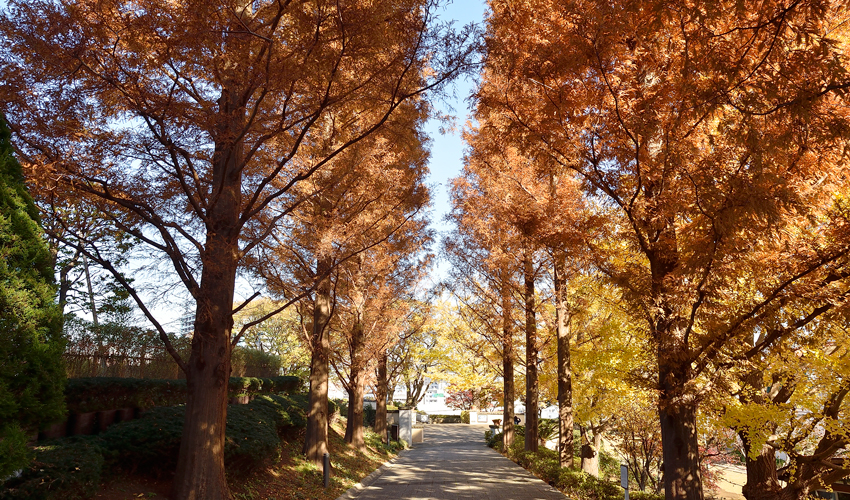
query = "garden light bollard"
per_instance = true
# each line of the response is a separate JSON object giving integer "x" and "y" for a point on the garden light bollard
{"x": 326, "y": 469}
{"x": 624, "y": 479}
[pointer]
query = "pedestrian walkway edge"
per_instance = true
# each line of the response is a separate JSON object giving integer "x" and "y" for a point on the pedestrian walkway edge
{"x": 355, "y": 490}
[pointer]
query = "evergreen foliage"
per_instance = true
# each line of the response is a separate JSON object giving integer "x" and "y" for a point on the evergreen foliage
{"x": 32, "y": 377}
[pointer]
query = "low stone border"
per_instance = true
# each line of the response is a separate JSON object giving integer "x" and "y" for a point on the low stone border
{"x": 371, "y": 478}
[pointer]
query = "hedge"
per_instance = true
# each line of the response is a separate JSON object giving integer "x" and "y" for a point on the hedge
{"x": 545, "y": 464}
{"x": 252, "y": 436}
{"x": 71, "y": 468}
{"x": 91, "y": 394}
{"x": 445, "y": 419}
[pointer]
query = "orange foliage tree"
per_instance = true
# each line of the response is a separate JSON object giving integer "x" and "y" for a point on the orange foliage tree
{"x": 713, "y": 135}
{"x": 187, "y": 120}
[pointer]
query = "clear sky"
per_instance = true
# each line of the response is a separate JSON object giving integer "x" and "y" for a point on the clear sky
{"x": 447, "y": 150}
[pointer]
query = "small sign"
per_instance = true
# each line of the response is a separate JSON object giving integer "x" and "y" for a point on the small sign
{"x": 624, "y": 476}
{"x": 483, "y": 418}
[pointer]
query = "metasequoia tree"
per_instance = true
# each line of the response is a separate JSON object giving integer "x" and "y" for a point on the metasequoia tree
{"x": 482, "y": 250}
{"x": 363, "y": 198}
{"x": 373, "y": 293}
{"x": 186, "y": 118}
{"x": 414, "y": 346}
{"x": 708, "y": 132}
{"x": 545, "y": 207}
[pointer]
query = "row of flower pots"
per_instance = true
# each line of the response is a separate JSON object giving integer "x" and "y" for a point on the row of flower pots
{"x": 88, "y": 423}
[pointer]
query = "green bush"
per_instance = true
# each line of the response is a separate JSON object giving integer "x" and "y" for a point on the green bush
{"x": 546, "y": 465}
{"x": 464, "y": 417}
{"x": 67, "y": 469}
{"x": 369, "y": 415}
{"x": 492, "y": 439}
{"x": 252, "y": 436}
{"x": 445, "y": 419}
{"x": 109, "y": 393}
{"x": 583, "y": 485}
{"x": 644, "y": 495}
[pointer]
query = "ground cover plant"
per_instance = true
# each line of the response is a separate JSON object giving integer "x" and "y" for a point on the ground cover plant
{"x": 579, "y": 485}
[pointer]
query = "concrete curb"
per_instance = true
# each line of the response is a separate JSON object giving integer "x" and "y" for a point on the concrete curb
{"x": 355, "y": 490}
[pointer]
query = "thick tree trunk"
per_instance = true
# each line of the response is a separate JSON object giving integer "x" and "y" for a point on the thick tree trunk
{"x": 316, "y": 437}
{"x": 200, "y": 464}
{"x": 354, "y": 426}
{"x": 762, "y": 481}
{"x": 677, "y": 409}
{"x": 590, "y": 451}
{"x": 531, "y": 388}
{"x": 678, "y": 417}
{"x": 357, "y": 388}
{"x": 507, "y": 363}
{"x": 381, "y": 390}
{"x": 565, "y": 374}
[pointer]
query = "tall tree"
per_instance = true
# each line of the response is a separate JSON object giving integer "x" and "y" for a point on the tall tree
{"x": 189, "y": 119}
{"x": 362, "y": 199}
{"x": 373, "y": 301}
{"x": 708, "y": 132}
{"x": 32, "y": 374}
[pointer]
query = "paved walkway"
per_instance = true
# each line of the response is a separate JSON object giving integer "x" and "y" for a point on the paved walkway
{"x": 454, "y": 464}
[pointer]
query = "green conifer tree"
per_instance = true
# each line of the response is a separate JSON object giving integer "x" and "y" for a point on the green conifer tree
{"x": 32, "y": 376}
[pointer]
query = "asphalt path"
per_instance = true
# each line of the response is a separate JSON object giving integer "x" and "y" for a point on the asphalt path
{"x": 453, "y": 463}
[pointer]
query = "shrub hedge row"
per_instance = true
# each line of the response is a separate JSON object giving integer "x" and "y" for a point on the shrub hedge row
{"x": 71, "y": 468}
{"x": 85, "y": 395}
{"x": 445, "y": 419}
{"x": 575, "y": 483}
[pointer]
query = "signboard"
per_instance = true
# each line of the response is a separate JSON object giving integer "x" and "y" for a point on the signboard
{"x": 624, "y": 476}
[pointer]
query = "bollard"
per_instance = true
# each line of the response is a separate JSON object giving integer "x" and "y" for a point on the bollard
{"x": 326, "y": 466}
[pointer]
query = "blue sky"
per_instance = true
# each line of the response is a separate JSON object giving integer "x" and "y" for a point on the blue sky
{"x": 447, "y": 150}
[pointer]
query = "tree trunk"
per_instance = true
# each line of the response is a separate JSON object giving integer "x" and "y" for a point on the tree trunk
{"x": 507, "y": 363}
{"x": 200, "y": 464}
{"x": 354, "y": 426}
{"x": 679, "y": 445}
{"x": 762, "y": 481}
{"x": 381, "y": 391}
{"x": 590, "y": 451}
{"x": 565, "y": 375}
{"x": 357, "y": 388}
{"x": 531, "y": 387}
{"x": 316, "y": 437}
{"x": 677, "y": 409}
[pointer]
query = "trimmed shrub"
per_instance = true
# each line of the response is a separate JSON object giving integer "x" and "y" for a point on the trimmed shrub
{"x": 445, "y": 419}
{"x": 546, "y": 465}
{"x": 90, "y": 394}
{"x": 644, "y": 495}
{"x": 464, "y": 417}
{"x": 67, "y": 469}
{"x": 252, "y": 436}
{"x": 583, "y": 485}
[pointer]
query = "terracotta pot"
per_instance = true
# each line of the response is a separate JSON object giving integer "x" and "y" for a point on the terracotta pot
{"x": 126, "y": 414}
{"x": 105, "y": 419}
{"x": 83, "y": 424}
{"x": 56, "y": 430}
